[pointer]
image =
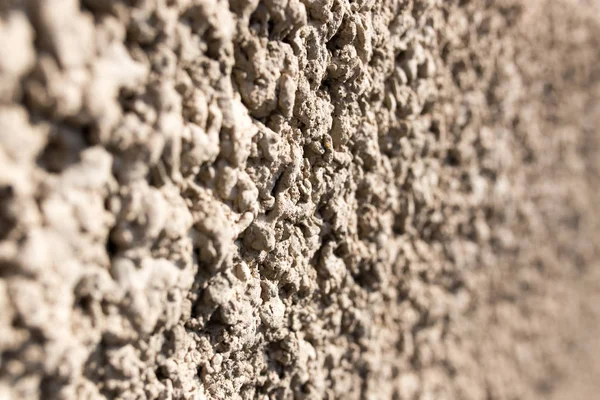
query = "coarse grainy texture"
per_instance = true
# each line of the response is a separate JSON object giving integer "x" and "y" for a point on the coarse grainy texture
{"x": 299, "y": 199}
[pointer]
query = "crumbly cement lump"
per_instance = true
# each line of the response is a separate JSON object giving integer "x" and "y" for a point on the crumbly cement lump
{"x": 298, "y": 199}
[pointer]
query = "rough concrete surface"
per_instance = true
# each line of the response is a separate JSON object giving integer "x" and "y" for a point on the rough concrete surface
{"x": 299, "y": 199}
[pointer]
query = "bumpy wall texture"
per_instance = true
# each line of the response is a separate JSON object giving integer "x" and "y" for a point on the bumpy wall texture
{"x": 299, "y": 199}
